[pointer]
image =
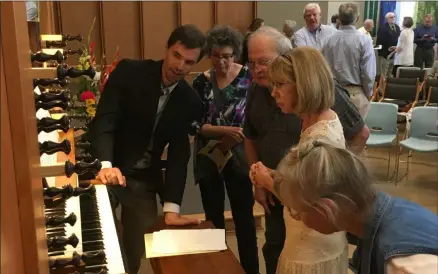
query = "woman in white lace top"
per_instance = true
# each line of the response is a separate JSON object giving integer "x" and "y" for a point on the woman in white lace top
{"x": 302, "y": 84}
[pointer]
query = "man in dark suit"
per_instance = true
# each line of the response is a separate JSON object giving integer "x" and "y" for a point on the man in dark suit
{"x": 387, "y": 36}
{"x": 146, "y": 105}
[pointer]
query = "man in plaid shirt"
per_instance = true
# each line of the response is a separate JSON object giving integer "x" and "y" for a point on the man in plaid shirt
{"x": 269, "y": 132}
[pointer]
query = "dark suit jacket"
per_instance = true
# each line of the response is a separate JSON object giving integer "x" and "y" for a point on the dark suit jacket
{"x": 122, "y": 128}
{"x": 387, "y": 38}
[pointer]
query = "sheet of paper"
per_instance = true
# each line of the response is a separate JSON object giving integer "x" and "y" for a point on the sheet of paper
{"x": 188, "y": 241}
{"x": 148, "y": 238}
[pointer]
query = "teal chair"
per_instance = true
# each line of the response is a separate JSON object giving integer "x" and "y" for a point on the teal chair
{"x": 382, "y": 122}
{"x": 423, "y": 136}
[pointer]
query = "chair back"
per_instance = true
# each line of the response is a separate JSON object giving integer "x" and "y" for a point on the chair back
{"x": 382, "y": 118}
{"x": 407, "y": 93}
{"x": 403, "y": 81}
{"x": 424, "y": 123}
{"x": 412, "y": 73}
{"x": 397, "y": 73}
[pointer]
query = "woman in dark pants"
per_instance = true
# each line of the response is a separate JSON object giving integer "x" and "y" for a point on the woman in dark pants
{"x": 222, "y": 89}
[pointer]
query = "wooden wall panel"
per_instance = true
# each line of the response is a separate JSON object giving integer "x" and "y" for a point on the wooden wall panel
{"x": 235, "y": 13}
{"x": 121, "y": 27}
{"x": 76, "y": 18}
{"x": 159, "y": 19}
{"x": 11, "y": 243}
{"x": 201, "y": 14}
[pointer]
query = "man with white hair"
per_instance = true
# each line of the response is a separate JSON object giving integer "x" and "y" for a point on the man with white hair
{"x": 351, "y": 57}
{"x": 367, "y": 28}
{"x": 387, "y": 36}
{"x": 314, "y": 33}
{"x": 269, "y": 133}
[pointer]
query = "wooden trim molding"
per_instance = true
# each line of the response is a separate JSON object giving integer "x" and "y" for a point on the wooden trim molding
{"x": 140, "y": 10}
{"x": 215, "y": 9}
{"x": 178, "y": 7}
{"x": 255, "y": 9}
{"x": 102, "y": 29}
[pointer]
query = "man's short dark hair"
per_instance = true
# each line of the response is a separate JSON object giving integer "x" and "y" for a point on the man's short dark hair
{"x": 408, "y": 22}
{"x": 190, "y": 36}
{"x": 334, "y": 18}
{"x": 348, "y": 13}
{"x": 224, "y": 36}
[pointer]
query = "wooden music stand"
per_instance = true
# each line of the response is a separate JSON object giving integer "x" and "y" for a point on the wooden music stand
{"x": 223, "y": 262}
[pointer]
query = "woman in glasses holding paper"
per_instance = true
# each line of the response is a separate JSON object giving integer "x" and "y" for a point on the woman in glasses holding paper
{"x": 220, "y": 159}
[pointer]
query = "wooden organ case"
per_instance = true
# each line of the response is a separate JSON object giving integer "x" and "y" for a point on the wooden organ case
{"x": 49, "y": 223}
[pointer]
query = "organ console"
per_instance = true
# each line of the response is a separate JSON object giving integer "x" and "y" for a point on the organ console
{"x": 49, "y": 224}
{"x": 49, "y": 82}
{"x": 42, "y": 57}
{"x": 73, "y": 51}
{"x": 62, "y": 95}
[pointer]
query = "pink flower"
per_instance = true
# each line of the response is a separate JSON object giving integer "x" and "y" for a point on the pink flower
{"x": 87, "y": 95}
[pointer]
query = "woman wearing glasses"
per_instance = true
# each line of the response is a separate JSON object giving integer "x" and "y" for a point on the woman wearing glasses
{"x": 223, "y": 89}
{"x": 301, "y": 89}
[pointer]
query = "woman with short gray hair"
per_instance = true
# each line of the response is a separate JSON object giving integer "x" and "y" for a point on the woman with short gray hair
{"x": 222, "y": 90}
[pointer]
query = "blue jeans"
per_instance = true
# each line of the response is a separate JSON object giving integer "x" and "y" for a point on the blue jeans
{"x": 275, "y": 235}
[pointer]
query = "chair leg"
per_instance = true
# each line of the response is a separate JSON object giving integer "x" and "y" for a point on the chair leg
{"x": 389, "y": 161}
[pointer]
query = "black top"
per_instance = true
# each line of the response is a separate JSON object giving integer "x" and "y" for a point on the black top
{"x": 122, "y": 128}
{"x": 275, "y": 132}
{"x": 387, "y": 37}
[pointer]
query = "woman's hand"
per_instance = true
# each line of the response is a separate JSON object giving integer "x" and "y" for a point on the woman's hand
{"x": 260, "y": 176}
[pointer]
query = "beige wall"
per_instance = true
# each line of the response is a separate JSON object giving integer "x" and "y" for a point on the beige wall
{"x": 274, "y": 12}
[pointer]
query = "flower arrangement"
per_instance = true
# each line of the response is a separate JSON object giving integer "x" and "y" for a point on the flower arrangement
{"x": 89, "y": 90}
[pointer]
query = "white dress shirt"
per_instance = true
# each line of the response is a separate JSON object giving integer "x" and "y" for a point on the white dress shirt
{"x": 364, "y": 31}
{"x": 314, "y": 39}
{"x": 168, "y": 207}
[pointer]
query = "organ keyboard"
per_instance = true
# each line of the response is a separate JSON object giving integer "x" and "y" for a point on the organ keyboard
{"x": 94, "y": 226}
{"x": 93, "y": 229}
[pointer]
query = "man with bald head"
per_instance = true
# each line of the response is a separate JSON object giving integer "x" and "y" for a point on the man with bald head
{"x": 313, "y": 34}
{"x": 269, "y": 133}
{"x": 425, "y": 36}
{"x": 387, "y": 36}
{"x": 367, "y": 28}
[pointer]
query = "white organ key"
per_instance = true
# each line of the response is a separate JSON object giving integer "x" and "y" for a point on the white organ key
{"x": 72, "y": 205}
{"x": 45, "y": 159}
{"x": 110, "y": 239}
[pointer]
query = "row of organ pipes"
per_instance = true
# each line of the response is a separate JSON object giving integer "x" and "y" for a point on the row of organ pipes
{"x": 79, "y": 225}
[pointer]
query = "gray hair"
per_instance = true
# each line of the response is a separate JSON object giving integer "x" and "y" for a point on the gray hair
{"x": 282, "y": 43}
{"x": 368, "y": 21}
{"x": 291, "y": 24}
{"x": 348, "y": 13}
{"x": 311, "y": 6}
{"x": 389, "y": 14}
{"x": 319, "y": 168}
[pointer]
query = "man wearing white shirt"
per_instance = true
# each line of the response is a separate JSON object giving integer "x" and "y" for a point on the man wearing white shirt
{"x": 367, "y": 28}
{"x": 314, "y": 33}
{"x": 146, "y": 105}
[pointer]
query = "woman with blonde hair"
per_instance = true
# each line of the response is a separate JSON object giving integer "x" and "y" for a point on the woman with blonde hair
{"x": 329, "y": 189}
{"x": 302, "y": 84}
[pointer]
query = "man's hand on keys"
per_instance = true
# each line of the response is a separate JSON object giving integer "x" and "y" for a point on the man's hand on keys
{"x": 111, "y": 176}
